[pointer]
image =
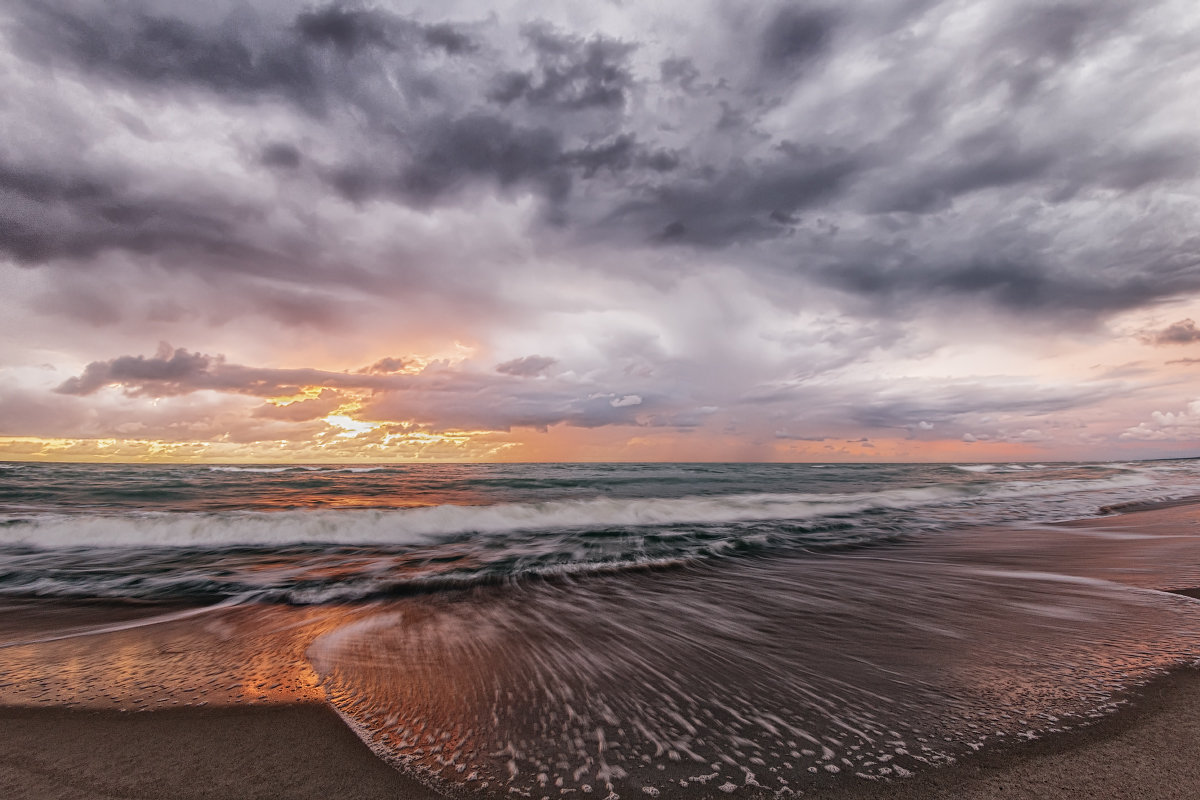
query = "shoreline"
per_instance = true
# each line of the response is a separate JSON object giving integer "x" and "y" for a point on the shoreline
{"x": 1148, "y": 748}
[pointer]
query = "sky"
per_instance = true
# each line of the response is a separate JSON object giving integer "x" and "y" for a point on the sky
{"x": 891, "y": 230}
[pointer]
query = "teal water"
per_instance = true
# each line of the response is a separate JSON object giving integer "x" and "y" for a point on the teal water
{"x": 312, "y": 534}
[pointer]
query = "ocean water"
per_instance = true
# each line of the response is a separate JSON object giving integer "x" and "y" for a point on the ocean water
{"x": 315, "y": 534}
{"x": 549, "y": 630}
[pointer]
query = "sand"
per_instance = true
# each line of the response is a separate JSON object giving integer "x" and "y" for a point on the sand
{"x": 1149, "y": 751}
{"x": 260, "y": 752}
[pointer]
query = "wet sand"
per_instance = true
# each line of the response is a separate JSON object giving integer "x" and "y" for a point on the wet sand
{"x": 302, "y": 749}
{"x": 260, "y": 752}
{"x": 1149, "y": 750}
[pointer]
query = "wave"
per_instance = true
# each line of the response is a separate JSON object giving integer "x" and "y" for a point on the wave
{"x": 424, "y": 525}
{"x": 992, "y": 468}
{"x": 253, "y": 469}
{"x": 299, "y": 468}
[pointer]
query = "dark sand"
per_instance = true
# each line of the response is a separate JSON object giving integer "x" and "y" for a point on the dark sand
{"x": 292, "y": 751}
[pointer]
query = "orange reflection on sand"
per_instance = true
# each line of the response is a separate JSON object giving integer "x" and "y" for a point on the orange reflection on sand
{"x": 248, "y": 654}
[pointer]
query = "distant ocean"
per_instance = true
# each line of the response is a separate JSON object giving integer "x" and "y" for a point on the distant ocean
{"x": 561, "y": 628}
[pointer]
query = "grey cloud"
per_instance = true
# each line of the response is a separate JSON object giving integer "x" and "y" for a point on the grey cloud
{"x": 948, "y": 402}
{"x": 440, "y": 396}
{"x": 572, "y": 73}
{"x": 127, "y": 42}
{"x": 982, "y": 161}
{"x": 916, "y": 407}
{"x": 1027, "y": 287}
{"x": 453, "y": 153}
{"x": 748, "y": 202}
{"x": 1182, "y": 332}
{"x": 385, "y": 366}
{"x": 173, "y": 372}
{"x": 241, "y": 53}
{"x": 448, "y": 38}
{"x": 679, "y": 70}
{"x": 280, "y": 154}
{"x": 527, "y": 366}
{"x": 796, "y": 36}
{"x": 615, "y": 155}
{"x": 783, "y": 434}
{"x": 498, "y": 167}
{"x": 348, "y": 29}
{"x": 1029, "y": 34}
{"x": 80, "y": 303}
{"x": 996, "y": 159}
{"x": 351, "y": 29}
{"x": 65, "y": 212}
{"x": 483, "y": 146}
{"x": 467, "y": 402}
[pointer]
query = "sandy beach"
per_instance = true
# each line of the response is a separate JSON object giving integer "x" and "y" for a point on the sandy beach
{"x": 261, "y": 752}
{"x": 1151, "y": 749}
{"x": 132, "y": 712}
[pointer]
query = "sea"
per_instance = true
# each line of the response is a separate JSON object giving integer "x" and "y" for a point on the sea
{"x": 547, "y": 630}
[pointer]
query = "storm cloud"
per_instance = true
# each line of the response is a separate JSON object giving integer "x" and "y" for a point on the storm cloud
{"x": 755, "y": 219}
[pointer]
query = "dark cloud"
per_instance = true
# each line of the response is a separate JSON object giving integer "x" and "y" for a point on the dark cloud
{"x": 385, "y": 366}
{"x": 795, "y": 36}
{"x": 682, "y": 71}
{"x": 172, "y": 372}
{"x": 982, "y": 161}
{"x": 352, "y": 29}
{"x": 448, "y": 38}
{"x": 169, "y": 371}
{"x": 453, "y": 150}
{"x": 61, "y": 211}
{"x": 280, "y": 154}
{"x": 795, "y": 193}
{"x": 348, "y": 29}
{"x": 242, "y": 53}
{"x": 749, "y": 202}
{"x": 615, "y": 155}
{"x": 572, "y": 73}
{"x": 131, "y": 43}
{"x": 1182, "y": 332}
{"x": 1025, "y": 287}
{"x": 526, "y": 367}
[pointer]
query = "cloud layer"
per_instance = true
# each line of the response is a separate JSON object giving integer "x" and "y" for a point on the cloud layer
{"x": 600, "y": 231}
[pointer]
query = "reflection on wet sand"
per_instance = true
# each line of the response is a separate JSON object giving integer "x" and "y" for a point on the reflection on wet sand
{"x": 221, "y": 656}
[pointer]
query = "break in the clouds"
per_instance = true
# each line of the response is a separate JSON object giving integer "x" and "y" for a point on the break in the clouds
{"x": 800, "y": 230}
